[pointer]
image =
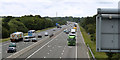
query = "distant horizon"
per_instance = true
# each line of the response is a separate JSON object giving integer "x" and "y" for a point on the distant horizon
{"x": 47, "y": 16}
{"x": 61, "y": 8}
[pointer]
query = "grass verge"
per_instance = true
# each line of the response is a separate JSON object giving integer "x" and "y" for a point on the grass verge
{"x": 7, "y": 39}
{"x": 92, "y": 45}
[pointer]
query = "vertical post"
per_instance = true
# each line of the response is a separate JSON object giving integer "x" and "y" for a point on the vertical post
{"x": 100, "y": 21}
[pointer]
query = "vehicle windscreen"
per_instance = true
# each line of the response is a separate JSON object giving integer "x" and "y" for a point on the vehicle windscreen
{"x": 26, "y": 37}
{"x": 70, "y": 39}
{"x": 10, "y": 48}
{"x": 71, "y": 35}
{"x": 73, "y": 32}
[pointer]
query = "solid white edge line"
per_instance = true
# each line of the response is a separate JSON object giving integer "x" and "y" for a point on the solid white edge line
{"x": 41, "y": 47}
{"x": 83, "y": 41}
{"x": 76, "y": 46}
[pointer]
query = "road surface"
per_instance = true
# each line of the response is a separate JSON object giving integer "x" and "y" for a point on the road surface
{"x": 56, "y": 47}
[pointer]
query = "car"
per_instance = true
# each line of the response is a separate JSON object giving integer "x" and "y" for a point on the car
{"x": 27, "y": 38}
{"x": 46, "y": 33}
{"x": 11, "y": 49}
{"x": 39, "y": 36}
{"x": 67, "y": 32}
{"x": 64, "y": 30}
{"x": 51, "y": 35}
{"x": 34, "y": 40}
{"x": 12, "y": 45}
{"x": 53, "y": 29}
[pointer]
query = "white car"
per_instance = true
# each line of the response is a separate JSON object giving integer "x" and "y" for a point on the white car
{"x": 27, "y": 38}
{"x": 34, "y": 40}
{"x": 46, "y": 33}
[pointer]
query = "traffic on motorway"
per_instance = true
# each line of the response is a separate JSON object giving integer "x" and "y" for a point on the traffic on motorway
{"x": 18, "y": 41}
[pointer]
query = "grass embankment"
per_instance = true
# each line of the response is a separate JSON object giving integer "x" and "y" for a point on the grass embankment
{"x": 7, "y": 39}
{"x": 92, "y": 45}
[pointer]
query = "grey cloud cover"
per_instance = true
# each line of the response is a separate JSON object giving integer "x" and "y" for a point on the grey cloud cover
{"x": 76, "y": 8}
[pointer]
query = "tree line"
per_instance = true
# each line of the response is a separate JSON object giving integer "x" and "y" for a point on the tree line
{"x": 12, "y": 24}
{"x": 24, "y": 23}
{"x": 89, "y": 24}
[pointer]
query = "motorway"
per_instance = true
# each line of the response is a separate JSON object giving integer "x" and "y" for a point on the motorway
{"x": 20, "y": 45}
{"x": 55, "y": 47}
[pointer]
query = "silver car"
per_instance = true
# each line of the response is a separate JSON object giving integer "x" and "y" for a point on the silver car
{"x": 34, "y": 40}
{"x": 11, "y": 49}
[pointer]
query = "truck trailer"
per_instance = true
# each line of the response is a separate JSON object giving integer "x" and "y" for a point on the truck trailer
{"x": 17, "y": 36}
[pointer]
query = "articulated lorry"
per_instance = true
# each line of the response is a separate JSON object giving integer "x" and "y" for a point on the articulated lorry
{"x": 58, "y": 25}
{"x": 71, "y": 40}
{"x": 75, "y": 24}
{"x": 17, "y": 36}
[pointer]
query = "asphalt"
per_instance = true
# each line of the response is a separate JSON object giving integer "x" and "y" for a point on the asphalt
{"x": 20, "y": 45}
{"x": 55, "y": 47}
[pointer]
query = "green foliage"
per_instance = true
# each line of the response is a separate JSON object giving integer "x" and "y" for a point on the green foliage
{"x": 28, "y": 22}
{"x": 5, "y": 32}
{"x": 89, "y": 24}
{"x": 16, "y": 26}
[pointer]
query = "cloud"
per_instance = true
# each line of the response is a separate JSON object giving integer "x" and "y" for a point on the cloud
{"x": 76, "y": 8}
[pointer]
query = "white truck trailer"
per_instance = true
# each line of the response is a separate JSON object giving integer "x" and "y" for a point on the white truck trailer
{"x": 17, "y": 36}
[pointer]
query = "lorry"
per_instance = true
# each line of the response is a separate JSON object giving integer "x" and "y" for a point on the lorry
{"x": 31, "y": 33}
{"x": 75, "y": 24}
{"x": 73, "y": 31}
{"x": 58, "y": 25}
{"x": 71, "y": 40}
{"x": 75, "y": 28}
{"x": 17, "y": 36}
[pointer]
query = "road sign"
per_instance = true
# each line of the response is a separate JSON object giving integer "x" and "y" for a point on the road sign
{"x": 108, "y": 30}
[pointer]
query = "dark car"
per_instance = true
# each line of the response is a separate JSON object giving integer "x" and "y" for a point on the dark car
{"x": 67, "y": 32}
{"x": 39, "y": 36}
{"x": 11, "y": 50}
{"x": 53, "y": 29}
{"x": 12, "y": 45}
{"x": 34, "y": 40}
{"x": 51, "y": 35}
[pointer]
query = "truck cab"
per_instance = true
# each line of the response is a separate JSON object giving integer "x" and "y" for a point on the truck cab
{"x": 71, "y": 39}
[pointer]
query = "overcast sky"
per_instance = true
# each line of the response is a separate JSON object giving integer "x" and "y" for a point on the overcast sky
{"x": 76, "y": 8}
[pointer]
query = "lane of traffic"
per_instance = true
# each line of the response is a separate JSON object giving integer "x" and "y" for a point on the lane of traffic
{"x": 21, "y": 45}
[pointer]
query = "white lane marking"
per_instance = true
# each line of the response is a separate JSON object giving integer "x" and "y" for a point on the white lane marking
{"x": 76, "y": 46}
{"x": 53, "y": 47}
{"x": 48, "y": 53}
{"x": 60, "y": 57}
{"x": 59, "y": 46}
{"x": 69, "y": 46}
{"x": 50, "y": 50}
{"x": 63, "y": 50}
{"x": 4, "y": 44}
{"x": 82, "y": 39}
{"x": 48, "y": 46}
{"x": 44, "y": 57}
{"x": 88, "y": 55}
{"x": 41, "y": 47}
{"x": 61, "y": 53}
